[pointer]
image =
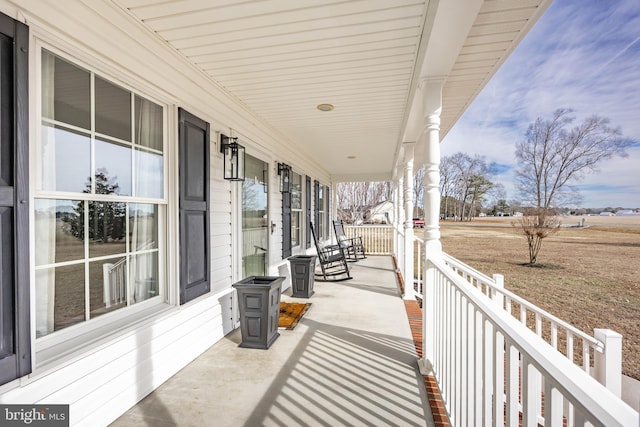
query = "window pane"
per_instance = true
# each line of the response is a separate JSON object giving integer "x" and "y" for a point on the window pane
{"x": 66, "y": 92}
{"x": 296, "y": 191}
{"x": 107, "y": 285}
{"x": 106, "y": 228}
{"x": 64, "y": 286}
{"x": 320, "y": 208}
{"x": 113, "y": 168}
{"x": 296, "y": 229}
{"x": 113, "y": 110}
{"x": 149, "y": 174}
{"x": 59, "y": 231}
{"x": 144, "y": 276}
{"x": 148, "y": 124}
{"x": 296, "y": 209}
{"x": 143, "y": 226}
{"x": 66, "y": 159}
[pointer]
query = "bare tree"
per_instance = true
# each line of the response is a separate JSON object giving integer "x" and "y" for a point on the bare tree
{"x": 418, "y": 190}
{"x": 447, "y": 182}
{"x": 467, "y": 182}
{"x": 551, "y": 157}
{"x": 537, "y": 224}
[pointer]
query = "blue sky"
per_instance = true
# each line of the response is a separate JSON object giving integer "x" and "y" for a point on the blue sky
{"x": 583, "y": 55}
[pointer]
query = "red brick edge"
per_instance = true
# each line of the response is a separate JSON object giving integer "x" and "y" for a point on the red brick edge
{"x": 414, "y": 313}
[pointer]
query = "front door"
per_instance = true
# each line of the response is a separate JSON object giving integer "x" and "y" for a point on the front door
{"x": 255, "y": 218}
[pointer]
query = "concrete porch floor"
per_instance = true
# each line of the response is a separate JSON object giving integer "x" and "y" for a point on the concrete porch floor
{"x": 350, "y": 361}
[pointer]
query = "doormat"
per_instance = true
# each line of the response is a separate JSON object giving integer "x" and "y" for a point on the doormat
{"x": 291, "y": 313}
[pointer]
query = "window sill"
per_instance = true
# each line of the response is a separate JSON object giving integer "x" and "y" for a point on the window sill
{"x": 66, "y": 347}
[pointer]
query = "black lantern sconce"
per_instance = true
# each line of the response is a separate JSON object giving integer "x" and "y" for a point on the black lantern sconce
{"x": 284, "y": 171}
{"x": 233, "y": 158}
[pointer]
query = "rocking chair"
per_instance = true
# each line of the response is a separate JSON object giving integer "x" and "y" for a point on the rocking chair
{"x": 333, "y": 262}
{"x": 352, "y": 246}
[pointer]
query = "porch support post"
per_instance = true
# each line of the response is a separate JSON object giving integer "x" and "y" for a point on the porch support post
{"x": 400, "y": 221}
{"x": 396, "y": 218}
{"x": 608, "y": 364}
{"x": 432, "y": 107}
{"x": 408, "y": 221}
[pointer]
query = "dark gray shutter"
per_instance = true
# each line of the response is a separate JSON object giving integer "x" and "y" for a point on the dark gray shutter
{"x": 194, "y": 207}
{"x": 316, "y": 210}
{"x": 15, "y": 335}
{"x": 286, "y": 225}
{"x": 307, "y": 204}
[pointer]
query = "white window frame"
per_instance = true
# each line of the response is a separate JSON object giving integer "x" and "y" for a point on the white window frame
{"x": 298, "y": 247}
{"x": 63, "y": 344}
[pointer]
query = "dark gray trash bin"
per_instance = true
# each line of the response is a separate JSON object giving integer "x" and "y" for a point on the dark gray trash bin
{"x": 302, "y": 275}
{"x": 259, "y": 303}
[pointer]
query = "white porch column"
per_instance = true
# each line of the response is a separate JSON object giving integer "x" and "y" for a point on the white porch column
{"x": 408, "y": 221}
{"x": 396, "y": 217}
{"x": 432, "y": 104}
{"x": 400, "y": 221}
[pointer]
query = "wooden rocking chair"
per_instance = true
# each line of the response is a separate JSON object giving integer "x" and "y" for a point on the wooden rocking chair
{"x": 333, "y": 262}
{"x": 352, "y": 246}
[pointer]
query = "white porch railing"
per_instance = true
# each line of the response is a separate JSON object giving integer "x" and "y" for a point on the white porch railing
{"x": 377, "y": 239}
{"x": 492, "y": 369}
{"x": 578, "y": 346}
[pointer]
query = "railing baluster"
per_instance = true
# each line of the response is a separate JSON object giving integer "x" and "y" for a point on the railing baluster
{"x": 512, "y": 389}
{"x": 552, "y": 406}
{"x": 531, "y": 390}
{"x": 478, "y": 361}
{"x": 488, "y": 371}
{"x": 586, "y": 357}
{"x": 499, "y": 365}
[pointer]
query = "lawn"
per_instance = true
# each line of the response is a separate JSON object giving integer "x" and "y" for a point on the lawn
{"x": 589, "y": 277}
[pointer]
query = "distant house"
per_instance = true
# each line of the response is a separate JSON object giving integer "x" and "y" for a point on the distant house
{"x": 627, "y": 212}
{"x": 607, "y": 213}
{"x": 382, "y": 213}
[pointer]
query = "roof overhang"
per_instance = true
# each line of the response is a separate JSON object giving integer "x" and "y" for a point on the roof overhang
{"x": 367, "y": 58}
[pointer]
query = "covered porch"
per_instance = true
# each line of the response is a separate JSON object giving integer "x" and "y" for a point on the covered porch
{"x": 350, "y": 361}
{"x": 331, "y": 91}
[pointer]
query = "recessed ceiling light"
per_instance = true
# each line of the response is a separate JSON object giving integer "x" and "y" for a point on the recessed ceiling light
{"x": 325, "y": 107}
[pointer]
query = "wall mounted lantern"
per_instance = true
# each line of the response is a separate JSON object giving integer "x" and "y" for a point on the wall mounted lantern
{"x": 284, "y": 171}
{"x": 233, "y": 158}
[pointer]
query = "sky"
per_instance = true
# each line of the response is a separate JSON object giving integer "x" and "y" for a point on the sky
{"x": 583, "y": 55}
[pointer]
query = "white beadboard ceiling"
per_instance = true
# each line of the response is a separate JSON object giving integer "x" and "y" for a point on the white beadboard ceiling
{"x": 282, "y": 58}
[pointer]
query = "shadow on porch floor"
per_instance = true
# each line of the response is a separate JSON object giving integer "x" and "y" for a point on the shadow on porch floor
{"x": 350, "y": 361}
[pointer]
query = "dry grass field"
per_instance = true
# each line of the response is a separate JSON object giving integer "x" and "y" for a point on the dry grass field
{"x": 589, "y": 277}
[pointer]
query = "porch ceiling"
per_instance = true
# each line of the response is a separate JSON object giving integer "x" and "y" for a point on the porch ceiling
{"x": 281, "y": 58}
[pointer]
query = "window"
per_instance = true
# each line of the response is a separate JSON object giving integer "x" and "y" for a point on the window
{"x": 322, "y": 208}
{"x": 99, "y": 204}
{"x": 296, "y": 210}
